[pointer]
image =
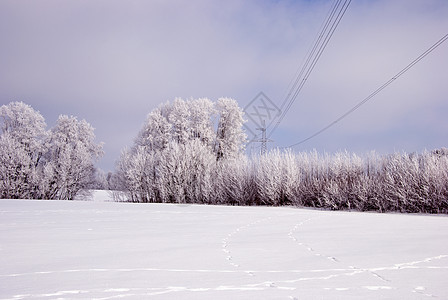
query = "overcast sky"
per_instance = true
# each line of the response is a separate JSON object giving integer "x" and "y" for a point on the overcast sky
{"x": 113, "y": 61}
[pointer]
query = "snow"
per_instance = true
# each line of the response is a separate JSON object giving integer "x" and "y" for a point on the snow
{"x": 108, "y": 250}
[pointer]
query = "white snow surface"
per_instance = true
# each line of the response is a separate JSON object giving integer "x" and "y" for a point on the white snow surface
{"x": 108, "y": 250}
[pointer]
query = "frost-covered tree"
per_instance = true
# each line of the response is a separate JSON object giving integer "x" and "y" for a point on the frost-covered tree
{"x": 121, "y": 182}
{"x": 17, "y": 171}
{"x": 135, "y": 174}
{"x": 25, "y": 125}
{"x": 174, "y": 172}
{"x": 200, "y": 164}
{"x": 156, "y": 132}
{"x": 230, "y": 136}
{"x": 179, "y": 117}
{"x": 174, "y": 156}
{"x": 184, "y": 173}
{"x": 291, "y": 177}
{"x": 35, "y": 163}
{"x": 21, "y": 148}
{"x": 269, "y": 178}
{"x": 235, "y": 182}
{"x": 202, "y": 115}
{"x": 71, "y": 156}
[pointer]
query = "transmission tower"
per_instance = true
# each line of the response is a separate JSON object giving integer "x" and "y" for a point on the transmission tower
{"x": 263, "y": 139}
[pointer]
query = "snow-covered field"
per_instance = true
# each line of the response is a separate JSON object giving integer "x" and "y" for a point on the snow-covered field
{"x": 105, "y": 250}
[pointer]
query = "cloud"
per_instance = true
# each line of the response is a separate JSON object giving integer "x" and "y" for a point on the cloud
{"x": 112, "y": 62}
{"x": 373, "y": 43}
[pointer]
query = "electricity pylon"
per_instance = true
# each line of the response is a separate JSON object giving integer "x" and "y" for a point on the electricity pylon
{"x": 263, "y": 139}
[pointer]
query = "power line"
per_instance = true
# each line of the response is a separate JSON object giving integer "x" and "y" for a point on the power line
{"x": 378, "y": 90}
{"x": 331, "y": 23}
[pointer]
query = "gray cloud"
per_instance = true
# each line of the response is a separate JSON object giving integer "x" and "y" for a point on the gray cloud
{"x": 112, "y": 62}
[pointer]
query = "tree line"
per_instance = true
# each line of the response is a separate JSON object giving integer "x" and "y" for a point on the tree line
{"x": 193, "y": 151}
{"x": 343, "y": 181}
{"x": 178, "y": 157}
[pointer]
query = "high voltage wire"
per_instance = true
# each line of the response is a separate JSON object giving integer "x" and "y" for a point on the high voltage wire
{"x": 314, "y": 55}
{"x": 404, "y": 70}
{"x": 334, "y": 18}
{"x": 320, "y": 50}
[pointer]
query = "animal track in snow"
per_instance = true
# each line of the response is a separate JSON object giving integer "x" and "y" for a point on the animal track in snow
{"x": 226, "y": 241}
{"x": 421, "y": 290}
{"x": 318, "y": 254}
{"x": 306, "y": 246}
